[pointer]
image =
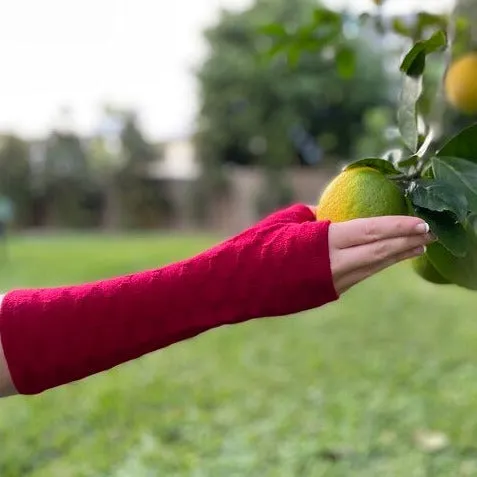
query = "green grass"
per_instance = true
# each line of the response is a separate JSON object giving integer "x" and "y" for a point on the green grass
{"x": 340, "y": 391}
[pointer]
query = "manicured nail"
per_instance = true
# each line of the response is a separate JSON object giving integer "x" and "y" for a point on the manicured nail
{"x": 423, "y": 228}
{"x": 420, "y": 250}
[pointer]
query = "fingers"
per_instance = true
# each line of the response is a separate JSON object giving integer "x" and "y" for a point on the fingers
{"x": 297, "y": 213}
{"x": 344, "y": 283}
{"x": 365, "y": 231}
{"x": 377, "y": 252}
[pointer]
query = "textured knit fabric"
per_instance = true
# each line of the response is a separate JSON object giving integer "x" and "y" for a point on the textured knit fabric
{"x": 58, "y": 335}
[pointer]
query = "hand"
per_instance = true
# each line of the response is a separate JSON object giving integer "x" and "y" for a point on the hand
{"x": 363, "y": 247}
{"x": 360, "y": 248}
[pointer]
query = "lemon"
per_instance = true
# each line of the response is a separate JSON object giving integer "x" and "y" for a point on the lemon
{"x": 424, "y": 268}
{"x": 360, "y": 192}
{"x": 460, "y": 83}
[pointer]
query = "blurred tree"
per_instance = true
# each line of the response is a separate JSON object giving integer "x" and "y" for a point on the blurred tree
{"x": 141, "y": 199}
{"x": 105, "y": 161}
{"x": 15, "y": 177}
{"x": 323, "y": 33}
{"x": 252, "y": 110}
{"x": 137, "y": 150}
{"x": 69, "y": 194}
{"x": 119, "y": 157}
{"x": 467, "y": 11}
{"x": 277, "y": 113}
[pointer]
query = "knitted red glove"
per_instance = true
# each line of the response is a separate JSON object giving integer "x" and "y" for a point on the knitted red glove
{"x": 55, "y": 336}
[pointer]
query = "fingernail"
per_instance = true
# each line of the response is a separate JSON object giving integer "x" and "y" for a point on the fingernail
{"x": 420, "y": 250}
{"x": 422, "y": 228}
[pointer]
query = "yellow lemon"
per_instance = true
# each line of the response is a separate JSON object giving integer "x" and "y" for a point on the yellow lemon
{"x": 460, "y": 83}
{"x": 359, "y": 193}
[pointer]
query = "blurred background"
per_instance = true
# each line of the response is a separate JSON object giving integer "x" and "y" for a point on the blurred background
{"x": 120, "y": 115}
{"x": 136, "y": 133}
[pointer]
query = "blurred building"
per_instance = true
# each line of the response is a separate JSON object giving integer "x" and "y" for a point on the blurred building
{"x": 179, "y": 169}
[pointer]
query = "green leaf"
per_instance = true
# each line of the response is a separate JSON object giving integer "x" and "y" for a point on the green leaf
{"x": 438, "y": 196}
{"x": 418, "y": 66}
{"x": 461, "y": 174}
{"x": 324, "y": 16}
{"x": 377, "y": 163}
{"x": 407, "y": 112}
{"x": 346, "y": 61}
{"x": 407, "y": 162}
{"x": 275, "y": 49}
{"x": 426, "y": 19}
{"x": 414, "y": 62}
{"x": 427, "y": 172}
{"x": 294, "y": 55}
{"x": 273, "y": 29}
{"x": 459, "y": 270}
{"x": 450, "y": 234}
{"x": 463, "y": 145}
{"x": 408, "y": 62}
{"x": 401, "y": 28}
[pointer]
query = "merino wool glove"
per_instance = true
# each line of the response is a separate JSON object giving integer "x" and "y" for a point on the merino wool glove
{"x": 54, "y": 336}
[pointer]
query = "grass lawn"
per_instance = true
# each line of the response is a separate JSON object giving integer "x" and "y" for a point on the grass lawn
{"x": 367, "y": 386}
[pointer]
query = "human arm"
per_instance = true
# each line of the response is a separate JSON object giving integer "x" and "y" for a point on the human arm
{"x": 285, "y": 264}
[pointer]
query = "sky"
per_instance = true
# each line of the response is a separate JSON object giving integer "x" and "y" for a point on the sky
{"x": 133, "y": 53}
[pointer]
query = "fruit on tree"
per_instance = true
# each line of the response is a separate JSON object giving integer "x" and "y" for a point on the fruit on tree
{"x": 460, "y": 83}
{"x": 360, "y": 192}
{"x": 424, "y": 268}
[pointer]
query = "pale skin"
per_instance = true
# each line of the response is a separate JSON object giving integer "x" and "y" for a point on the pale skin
{"x": 6, "y": 385}
{"x": 358, "y": 248}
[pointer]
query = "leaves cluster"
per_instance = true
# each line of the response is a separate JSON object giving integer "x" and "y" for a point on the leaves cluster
{"x": 440, "y": 184}
{"x": 326, "y": 32}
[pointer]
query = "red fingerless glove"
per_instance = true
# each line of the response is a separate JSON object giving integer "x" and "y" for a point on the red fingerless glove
{"x": 55, "y": 336}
